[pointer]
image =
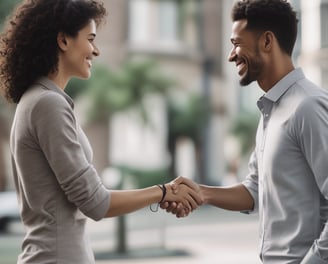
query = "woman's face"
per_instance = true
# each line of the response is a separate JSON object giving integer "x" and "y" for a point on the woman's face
{"x": 80, "y": 50}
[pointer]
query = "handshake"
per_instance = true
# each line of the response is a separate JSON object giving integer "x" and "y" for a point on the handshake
{"x": 182, "y": 197}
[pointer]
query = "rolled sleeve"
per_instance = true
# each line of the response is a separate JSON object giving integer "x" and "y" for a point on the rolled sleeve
{"x": 251, "y": 183}
{"x": 312, "y": 258}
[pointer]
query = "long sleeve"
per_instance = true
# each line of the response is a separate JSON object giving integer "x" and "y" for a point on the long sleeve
{"x": 312, "y": 127}
{"x": 55, "y": 129}
{"x": 56, "y": 183}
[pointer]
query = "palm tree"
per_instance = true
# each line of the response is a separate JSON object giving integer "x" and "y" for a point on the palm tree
{"x": 187, "y": 121}
{"x": 114, "y": 91}
{"x": 110, "y": 92}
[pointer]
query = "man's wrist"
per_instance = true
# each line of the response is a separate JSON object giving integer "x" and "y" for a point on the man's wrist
{"x": 204, "y": 193}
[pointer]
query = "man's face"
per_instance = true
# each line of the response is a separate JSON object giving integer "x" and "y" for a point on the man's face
{"x": 245, "y": 53}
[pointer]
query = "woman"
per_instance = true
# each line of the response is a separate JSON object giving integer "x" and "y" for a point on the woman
{"x": 45, "y": 44}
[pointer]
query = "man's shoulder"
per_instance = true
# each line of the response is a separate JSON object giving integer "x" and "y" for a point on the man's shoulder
{"x": 310, "y": 89}
{"x": 314, "y": 105}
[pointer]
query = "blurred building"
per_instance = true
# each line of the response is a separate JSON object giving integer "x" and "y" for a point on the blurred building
{"x": 191, "y": 41}
{"x": 314, "y": 40}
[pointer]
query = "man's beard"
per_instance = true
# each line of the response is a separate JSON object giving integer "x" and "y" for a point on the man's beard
{"x": 253, "y": 70}
{"x": 246, "y": 80}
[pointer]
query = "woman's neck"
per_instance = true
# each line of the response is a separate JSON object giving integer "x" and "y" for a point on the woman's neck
{"x": 58, "y": 79}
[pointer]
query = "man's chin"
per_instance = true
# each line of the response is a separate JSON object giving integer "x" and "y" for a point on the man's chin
{"x": 245, "y": 81}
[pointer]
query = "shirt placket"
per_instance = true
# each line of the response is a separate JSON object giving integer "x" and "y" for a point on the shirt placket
{"x": 265, "y": 106}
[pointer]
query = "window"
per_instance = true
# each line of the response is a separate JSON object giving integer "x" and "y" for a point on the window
{"x": 139, "y": 11}
{"x": 158, "y": 25}
{"x": 168, "y": 20}
{"x": 324, "y": 24}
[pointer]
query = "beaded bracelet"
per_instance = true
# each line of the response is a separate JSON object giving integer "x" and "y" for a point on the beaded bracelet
{"x": 163, "y": 188}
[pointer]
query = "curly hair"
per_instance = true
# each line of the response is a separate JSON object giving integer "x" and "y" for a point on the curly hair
{"x": 272, "y": 15}
{"x": 28, "y": 46}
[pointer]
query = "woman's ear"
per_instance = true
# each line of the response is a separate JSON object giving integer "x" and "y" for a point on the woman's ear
{"x": 62, "y": 41}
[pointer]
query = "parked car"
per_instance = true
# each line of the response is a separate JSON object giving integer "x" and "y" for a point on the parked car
{"x": 9, "y": 210}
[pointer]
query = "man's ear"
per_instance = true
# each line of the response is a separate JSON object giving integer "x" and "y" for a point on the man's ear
{"x": 268, "y": 39}
{"x": 62, "y": 41}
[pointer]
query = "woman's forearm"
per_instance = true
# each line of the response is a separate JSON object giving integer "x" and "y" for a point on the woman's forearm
{"x": 127, "y": 201}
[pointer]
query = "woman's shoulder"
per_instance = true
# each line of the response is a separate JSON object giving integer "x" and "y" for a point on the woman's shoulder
{"x": 41, "y": 98}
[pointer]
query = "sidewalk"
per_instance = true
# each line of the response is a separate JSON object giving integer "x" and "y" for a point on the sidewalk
{"x": 209, "y": 235}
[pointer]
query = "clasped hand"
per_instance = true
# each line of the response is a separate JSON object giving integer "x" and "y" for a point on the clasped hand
{"x": 183, "y": 196}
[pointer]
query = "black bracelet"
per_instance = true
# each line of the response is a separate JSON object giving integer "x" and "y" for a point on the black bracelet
{"x": 163, "y": 188}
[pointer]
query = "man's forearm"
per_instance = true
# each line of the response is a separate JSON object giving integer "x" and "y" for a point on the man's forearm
{"x": 236, "y": 198}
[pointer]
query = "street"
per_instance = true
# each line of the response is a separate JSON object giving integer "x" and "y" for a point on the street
{"x": 208, "y": 235}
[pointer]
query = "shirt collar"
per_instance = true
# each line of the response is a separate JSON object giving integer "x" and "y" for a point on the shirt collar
{"x": 284, "y": 84}
{"x": 50, "y": 85}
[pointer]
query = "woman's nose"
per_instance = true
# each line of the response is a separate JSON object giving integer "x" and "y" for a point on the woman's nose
{"x": 96, "y": 51}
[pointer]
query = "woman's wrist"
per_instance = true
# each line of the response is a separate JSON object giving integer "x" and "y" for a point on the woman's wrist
{"x": 164, "y": 191}
{"x": 162, "y": 195}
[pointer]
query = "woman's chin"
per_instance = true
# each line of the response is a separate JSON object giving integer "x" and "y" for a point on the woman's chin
{"x": 84, "y": 76}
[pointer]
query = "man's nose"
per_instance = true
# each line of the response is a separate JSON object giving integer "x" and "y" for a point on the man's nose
{"x": 232, "y": 55}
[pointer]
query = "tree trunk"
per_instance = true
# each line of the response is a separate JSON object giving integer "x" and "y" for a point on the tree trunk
{"x": 3, "y": 177}
{"x": 172, "y": 150}
{"x": 98, "y": 135}
{"x": 3, "y": 137}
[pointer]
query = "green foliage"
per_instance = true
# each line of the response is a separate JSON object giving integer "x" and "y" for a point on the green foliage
{"x": 188, "y": 119}
{"x": 98, "y": 93}
{"x": 6, "y": 115}
{"x": 244, "y": 128}
{"x": 111, "y": 91}
{"x": 76, "y": 87}
{"x": 6, "y": 6}
{"x": 145, "y": 177}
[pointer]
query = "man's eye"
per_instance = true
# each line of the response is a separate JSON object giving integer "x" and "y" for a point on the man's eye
{"x": 234, "y": 44}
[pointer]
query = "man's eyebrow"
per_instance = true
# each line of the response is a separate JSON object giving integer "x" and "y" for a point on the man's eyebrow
{"x": 235, "y": 40}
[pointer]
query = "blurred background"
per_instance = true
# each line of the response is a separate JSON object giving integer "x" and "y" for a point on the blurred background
{"x": 164, "y": 101}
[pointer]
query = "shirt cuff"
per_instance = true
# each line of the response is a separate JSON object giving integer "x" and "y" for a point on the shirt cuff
{"x": 312, "y": 258}
{"x": 102, "y": 201}
{"x": 254, "y": 194}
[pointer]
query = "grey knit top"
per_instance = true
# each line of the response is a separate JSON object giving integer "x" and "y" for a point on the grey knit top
{"x": 56, "y": 183}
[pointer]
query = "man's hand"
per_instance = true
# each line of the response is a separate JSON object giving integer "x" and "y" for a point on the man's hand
{"x": 186, "y": 197}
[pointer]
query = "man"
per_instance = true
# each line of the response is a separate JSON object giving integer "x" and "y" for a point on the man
{"x": 287, "y": 182}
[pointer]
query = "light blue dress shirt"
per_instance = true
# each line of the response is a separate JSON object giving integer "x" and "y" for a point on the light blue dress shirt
{"x": 288, "y": 172}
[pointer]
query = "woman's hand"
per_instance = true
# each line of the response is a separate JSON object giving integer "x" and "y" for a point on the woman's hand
{"x": 183, "y": 196}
